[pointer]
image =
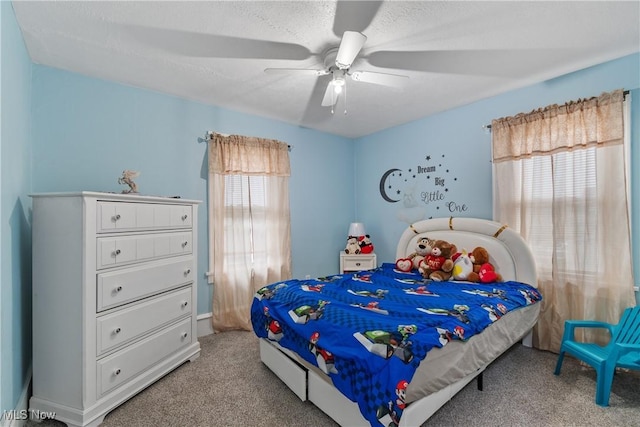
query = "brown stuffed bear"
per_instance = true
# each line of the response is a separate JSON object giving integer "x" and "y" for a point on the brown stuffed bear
{"x": 480, "y": 257}
{"x": 437, "y": 265}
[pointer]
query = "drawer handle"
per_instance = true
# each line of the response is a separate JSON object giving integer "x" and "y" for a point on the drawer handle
{"x": 117, "y": 371}
{"x": 118, "y": 288}
{"x": 184, "y": 335}
{"x": 184, "y": 217}
{"x": 117, "y": 331}
{"x": 116, "y": 217}
{"x": 185, "y": 303}
{"x": 187, "y": 271}
{"x": 358, "y": 264}
{"x": 184, "y": 244}
{"x": 117, "y": 252}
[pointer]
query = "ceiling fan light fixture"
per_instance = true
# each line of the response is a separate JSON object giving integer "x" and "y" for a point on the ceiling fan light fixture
{"x": 338, "y": 83}
{"x": 337, "y": 63}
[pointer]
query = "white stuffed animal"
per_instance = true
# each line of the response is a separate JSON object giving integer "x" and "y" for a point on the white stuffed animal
{"x": 352, "y": 245}
{"x": 462, "y": 266}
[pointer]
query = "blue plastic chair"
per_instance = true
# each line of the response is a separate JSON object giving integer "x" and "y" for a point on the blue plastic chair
{"x": 623, "y": 349}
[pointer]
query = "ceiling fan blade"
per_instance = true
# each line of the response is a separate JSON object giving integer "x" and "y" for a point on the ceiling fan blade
{"x": 354, "y": 15}
{"x": 195, "y": 44}
{"x": 383, "y": 79}
{"x": 299, "y": 71}
{"x": 352, "y": 42}
{"x": 330, "y": 96}
{"x": 487, "y": 62}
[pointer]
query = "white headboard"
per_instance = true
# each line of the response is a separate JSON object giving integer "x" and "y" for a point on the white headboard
{"x": 508, "y": 251}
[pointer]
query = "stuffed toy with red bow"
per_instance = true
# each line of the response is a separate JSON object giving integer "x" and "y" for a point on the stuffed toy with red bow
{"x": 366, "y": 247}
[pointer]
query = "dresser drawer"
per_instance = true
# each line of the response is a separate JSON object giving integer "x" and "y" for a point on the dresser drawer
{"x": 119, "y": 287}
{"x": 118, "y": 368}
{"x": 119, "y": 250}
{"x": 118, "y": 328}
{"x": 124, "y": 216}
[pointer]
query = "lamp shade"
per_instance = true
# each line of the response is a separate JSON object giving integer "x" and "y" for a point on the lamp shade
{"x": 356, "y": 229}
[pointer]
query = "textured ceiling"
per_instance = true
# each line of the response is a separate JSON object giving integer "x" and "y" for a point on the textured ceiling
{"x": 215, "y": 52}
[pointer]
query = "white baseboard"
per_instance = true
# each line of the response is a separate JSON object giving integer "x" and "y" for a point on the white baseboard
{"x": 204, "y": 324}
{"x": 22, "y": 406}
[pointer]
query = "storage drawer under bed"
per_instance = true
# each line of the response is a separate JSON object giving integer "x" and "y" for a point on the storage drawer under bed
{"x": 286, "y": 369}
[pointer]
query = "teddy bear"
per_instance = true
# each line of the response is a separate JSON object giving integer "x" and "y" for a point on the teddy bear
{"x": 424, "y": 245}
{"x": 366, "y": 246}
{"x": 423, "y": 248}
{"x": 483, "y": 270}
{"x": 438, "y": 265}
{"x": 352, "y": 245}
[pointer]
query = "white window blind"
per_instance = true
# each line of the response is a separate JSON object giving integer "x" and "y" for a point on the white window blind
{"x": 245, "y": 198}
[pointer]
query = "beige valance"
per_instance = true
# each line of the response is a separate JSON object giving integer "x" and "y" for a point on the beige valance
{"x": 576, "y": 124}
{"x": 247, "y": 155}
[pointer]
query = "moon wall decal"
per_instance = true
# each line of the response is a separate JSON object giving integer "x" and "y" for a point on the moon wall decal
{"x": 383, "y": 183}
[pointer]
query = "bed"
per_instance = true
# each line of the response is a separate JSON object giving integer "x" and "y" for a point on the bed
{"x": 351, "y": 345}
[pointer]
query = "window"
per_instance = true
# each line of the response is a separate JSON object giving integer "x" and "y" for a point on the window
{"x": 560, "y": 180}
{"x": 245, "y": 200}
{"x": 550, "y": 180}
{"x": 249, "y": 223}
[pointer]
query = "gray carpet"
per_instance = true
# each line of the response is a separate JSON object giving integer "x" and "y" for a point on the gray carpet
{"x": 229, "y": 386}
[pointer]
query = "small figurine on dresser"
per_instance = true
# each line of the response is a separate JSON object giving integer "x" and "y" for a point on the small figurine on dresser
{"x": 127, "y": 179}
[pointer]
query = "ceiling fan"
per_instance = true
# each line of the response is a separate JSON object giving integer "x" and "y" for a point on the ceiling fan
{"x": 337, "y": 63}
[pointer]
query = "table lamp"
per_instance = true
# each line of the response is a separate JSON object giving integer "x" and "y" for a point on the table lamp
{"x": 356, "y": 229}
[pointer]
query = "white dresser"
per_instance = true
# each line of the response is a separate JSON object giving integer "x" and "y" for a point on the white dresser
{"x": 114, "y": 298}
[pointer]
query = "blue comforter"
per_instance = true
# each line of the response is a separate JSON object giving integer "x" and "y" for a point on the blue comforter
{"x": 369, "y": 330}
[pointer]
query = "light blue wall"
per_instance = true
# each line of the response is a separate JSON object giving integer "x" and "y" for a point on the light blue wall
{"x": 86, "y": 131}
{"x": 79, "y": 133}
{"x": 458, "y": 135}
{"x": 15, "y": 210}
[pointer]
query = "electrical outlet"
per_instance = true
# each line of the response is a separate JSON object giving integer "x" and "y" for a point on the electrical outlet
{"x": 636, "y": 288}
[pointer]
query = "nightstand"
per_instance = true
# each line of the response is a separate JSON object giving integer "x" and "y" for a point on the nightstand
{"x": 353, "y": 262}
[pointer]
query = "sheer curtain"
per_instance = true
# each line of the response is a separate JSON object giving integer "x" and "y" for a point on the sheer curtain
{"x": 560, "y": 179}
{"x": 249, "y": 223}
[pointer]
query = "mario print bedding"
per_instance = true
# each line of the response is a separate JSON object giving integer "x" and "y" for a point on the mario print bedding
{"x": 370, "y": 330}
